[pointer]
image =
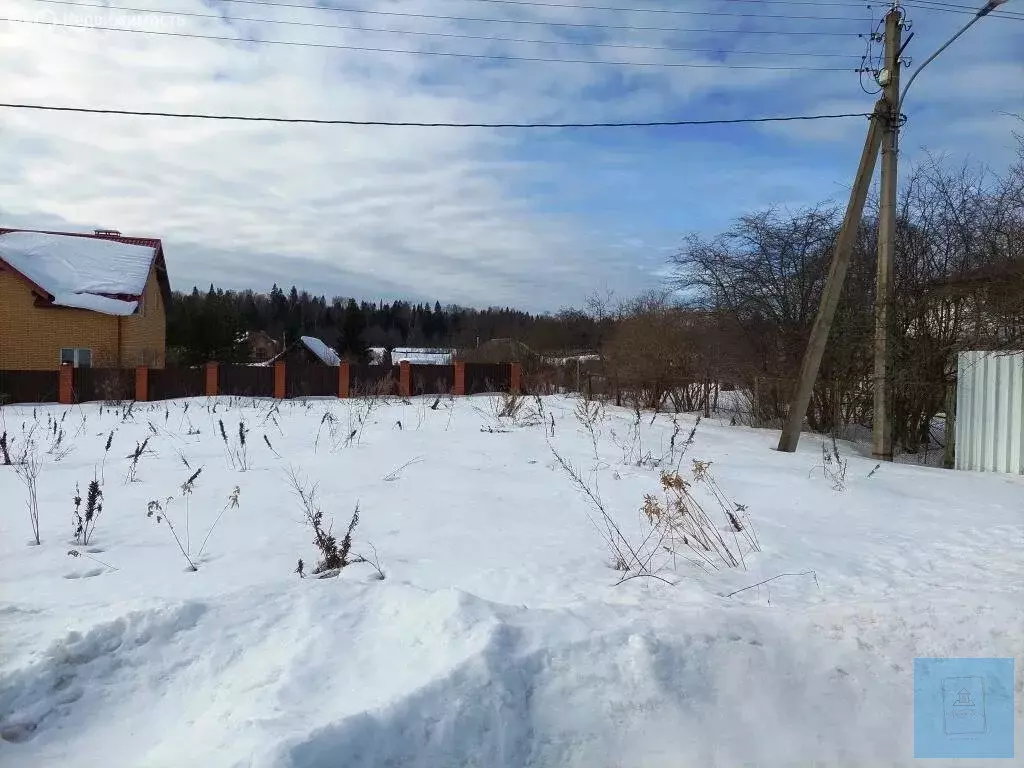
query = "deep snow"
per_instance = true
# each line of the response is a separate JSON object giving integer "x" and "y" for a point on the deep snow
{"x": 499, "y": 637}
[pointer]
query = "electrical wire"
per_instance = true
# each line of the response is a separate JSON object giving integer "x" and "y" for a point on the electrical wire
{"x": 869, "y": 63}
{"x": 574, "y": 6}
{"x": 742, "y": 15}
{"x": 451, "y": 35}
{"x": 414, "y": 124}
{"x": 535, "y": 22}
{"x": 931, "y": 5}
{"x": 450, "y": 54}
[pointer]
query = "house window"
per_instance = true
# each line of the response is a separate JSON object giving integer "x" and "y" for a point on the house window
{"x": 79, "y": 357}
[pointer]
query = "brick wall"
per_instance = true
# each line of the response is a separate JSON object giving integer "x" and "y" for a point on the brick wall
{"x": 144, "y": 335}
{"x": 31, "y": 337}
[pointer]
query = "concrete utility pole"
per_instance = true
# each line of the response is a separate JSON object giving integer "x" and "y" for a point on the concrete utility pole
{"x": 834, "y": 283}
{"x": 881, "y": 425}
{"x": 884, "y": 120}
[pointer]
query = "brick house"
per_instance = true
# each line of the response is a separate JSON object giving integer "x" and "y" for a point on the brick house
{"x": 90, "y": 300}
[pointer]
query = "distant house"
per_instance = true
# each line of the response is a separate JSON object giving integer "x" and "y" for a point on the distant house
{"x": 502, "y": 351}
{"x": 89, "y": 300}
{"x": 262, "y": 346}
{"x": 308, "y": 350}
{"x": 412, "y": 355}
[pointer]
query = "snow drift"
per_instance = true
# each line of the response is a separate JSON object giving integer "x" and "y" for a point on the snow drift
{"x": 498, "y": 637}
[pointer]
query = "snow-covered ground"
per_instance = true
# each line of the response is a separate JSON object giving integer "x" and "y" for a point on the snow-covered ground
{"x": 499, "y": 636}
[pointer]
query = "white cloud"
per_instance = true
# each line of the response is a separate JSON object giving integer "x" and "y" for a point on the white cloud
{"x": 425, "y": 212}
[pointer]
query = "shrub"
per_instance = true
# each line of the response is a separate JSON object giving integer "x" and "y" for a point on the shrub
{"x": 237, "y": 452}
{"x": 133, "y": 461}
{"x": 674, "y": 526}
{"x": 85, "y": 525}
{"x": 833, "y": 465}
{"x": 683, "y": 524}
{"x": 158, "y": 511}
{"x": 106, "y": 450}
{"x": 334, "y": 555}
{"x": 590, "y": 414}
{"x": 632, "y": 558}
{"x": 27, "y": 469}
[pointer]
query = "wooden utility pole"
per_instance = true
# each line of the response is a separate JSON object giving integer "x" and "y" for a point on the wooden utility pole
{"x": 881, "y": 424}
{"x": 834, "y": 284}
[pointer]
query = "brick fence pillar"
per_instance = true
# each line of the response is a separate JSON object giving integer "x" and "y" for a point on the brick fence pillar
{"x": 142, "y": 384}
{"x": 344, "y": 379}
{"x": 279, "y": 379}
{"x": 515, "y": 379}
{"x": 404, "y": 378}
{"x": 212, "y": 380}
{"x": 459, "y": 387}
{"x": 65, "y": 391}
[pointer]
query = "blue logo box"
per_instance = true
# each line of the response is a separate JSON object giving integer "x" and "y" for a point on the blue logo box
{"x": 963, "y": 708}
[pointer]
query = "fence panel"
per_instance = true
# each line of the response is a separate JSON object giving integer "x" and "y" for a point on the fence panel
{"x": 108, "y": 384}
{"x": 169, "y": 383}
{"x": 432, "y": 379}
{"x": 29, "y": 387}
{"x": 373, "y": 379}
{"x": 990, "y": 412}
{"x": 246, "y": 380}
{"x": 488, "y": 377}
{"x": 311, "y": 380}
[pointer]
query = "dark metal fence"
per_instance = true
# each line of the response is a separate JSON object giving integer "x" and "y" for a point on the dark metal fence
{"x": 311, "y": 380}
{"x": 373, "y": 379}
{"x": 168, "y": 383}
{"x": 301, "y": 380}
{"x": 246, "y": 380}
{"x": 108, "y": 384}
{"x": 487, "y": 377}
{"x": 29, "y": 387}
{"x": 431, "y": 379}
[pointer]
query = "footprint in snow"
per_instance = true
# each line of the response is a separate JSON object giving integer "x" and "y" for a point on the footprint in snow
{"x": 84, "y": 574}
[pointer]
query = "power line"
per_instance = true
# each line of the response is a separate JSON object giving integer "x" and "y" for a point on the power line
{"x": 532, "y": 3}
{"x": 932, "y": 5}
{"x": 453, "y": 35}
{"x": 413, "y": 124}
{"x": 535, "y": 22}
{"x": 450, "y": 54}
{"x": 745, "y": 15}
{"x": 814, "y": 3}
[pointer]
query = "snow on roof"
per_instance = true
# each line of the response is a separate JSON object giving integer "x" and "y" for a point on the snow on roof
{"x": 414, "y": 355}
{"x": 66, "y": 265}
{"x": 95, "y": 303}
{"x": 572, "y": 359}
{"x": 327, "y": 355}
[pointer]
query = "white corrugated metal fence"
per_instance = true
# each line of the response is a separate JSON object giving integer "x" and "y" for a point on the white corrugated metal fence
{"x": 990, "y": 412}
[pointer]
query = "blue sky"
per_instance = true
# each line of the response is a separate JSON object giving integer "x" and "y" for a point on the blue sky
{"x": 535, "y": 219}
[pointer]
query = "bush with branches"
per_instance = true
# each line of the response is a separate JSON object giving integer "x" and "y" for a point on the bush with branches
{"x": 335, "y": 555}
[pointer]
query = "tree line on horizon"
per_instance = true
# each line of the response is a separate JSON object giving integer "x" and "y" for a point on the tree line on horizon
{"x": 736, "y": 310}
{"x": 211, "y": 324}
